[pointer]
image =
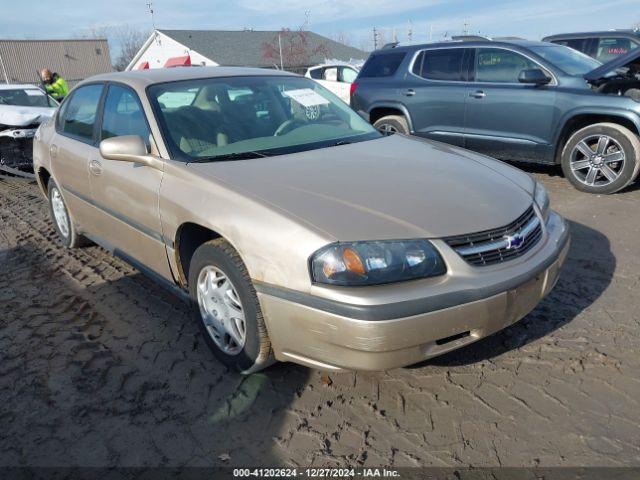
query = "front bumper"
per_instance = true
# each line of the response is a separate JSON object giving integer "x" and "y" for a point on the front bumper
{"x": 470, "y": 304}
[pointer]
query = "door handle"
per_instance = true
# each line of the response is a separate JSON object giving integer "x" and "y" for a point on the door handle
{"x": 410, "y": 92}
{"x": 478, "y": 94}
{"x": 95, "y": 167}
{"x": 53, "y": 151}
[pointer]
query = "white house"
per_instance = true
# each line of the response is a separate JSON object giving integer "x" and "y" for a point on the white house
{"x": 245, "y": 48}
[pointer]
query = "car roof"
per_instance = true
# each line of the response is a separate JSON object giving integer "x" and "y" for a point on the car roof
{"x": 144, "y": 78}
{"x": 601, "y": 33}
{"x": 465, "y": 43}
{"x": 18, "y": 86}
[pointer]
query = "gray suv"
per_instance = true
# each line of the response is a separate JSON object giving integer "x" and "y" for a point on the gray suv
{"x": 513, "y": 100}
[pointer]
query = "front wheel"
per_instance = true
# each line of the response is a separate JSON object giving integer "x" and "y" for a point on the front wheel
{"x": 226, "y": 308}
{"x": 602, "y": 158}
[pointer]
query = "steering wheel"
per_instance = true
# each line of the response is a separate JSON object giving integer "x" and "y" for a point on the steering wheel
{"x": 287, "y": 126}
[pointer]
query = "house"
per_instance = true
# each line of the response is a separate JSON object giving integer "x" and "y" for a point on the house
{"x": 75, "y": 60}
{"x": 290, "y": 50}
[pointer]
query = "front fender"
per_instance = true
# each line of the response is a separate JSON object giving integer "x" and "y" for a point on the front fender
{"x": 630, "y": 115}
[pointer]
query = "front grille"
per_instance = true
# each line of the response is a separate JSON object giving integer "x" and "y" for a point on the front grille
{"x": 500, "y": 244}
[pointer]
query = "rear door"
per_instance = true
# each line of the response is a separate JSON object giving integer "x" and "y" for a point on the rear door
{"x": 435, "y": 92}
{"x": 71, "y": 149}
{"x": 504, "y": 118}
{"x": 126, "y": 194}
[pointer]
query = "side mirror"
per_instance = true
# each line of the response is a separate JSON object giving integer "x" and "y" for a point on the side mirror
{"x": 128, "y": 148}
{"x": 534, "y": 76}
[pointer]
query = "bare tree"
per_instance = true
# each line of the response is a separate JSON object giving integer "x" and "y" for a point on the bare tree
{"x": 342, "y": 37}
{"x": 297, "y": 52}
{"x": 125, "y": 39}
{"x": 130, "y": 41}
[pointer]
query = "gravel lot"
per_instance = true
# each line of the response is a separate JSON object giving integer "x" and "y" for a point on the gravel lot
{"x": 100, "y": 367}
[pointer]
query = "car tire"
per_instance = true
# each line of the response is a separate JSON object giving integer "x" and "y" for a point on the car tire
{"x": 62, "y": 220}
{"x": 392, "y": 124}
{"x": 602, "y": 158}
{"x": 226, "y": 307}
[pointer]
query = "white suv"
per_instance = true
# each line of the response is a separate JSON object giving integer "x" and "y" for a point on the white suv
{"x": 337, "y": 78}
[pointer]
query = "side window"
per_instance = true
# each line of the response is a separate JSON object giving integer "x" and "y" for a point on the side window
{"x": 441, "y": 64}
{"x": 348, "y": 75}
{"x": 316, "y": 73}
{"x": 610, "y": 48}
{"x": 382, "y": 65}
{"x": 79, "y": 113}
{"x": 123, "y": 114}
{"x": 331, "y": 74}
{"x": 580, "y": 44}
{"x": 500, "y": 66}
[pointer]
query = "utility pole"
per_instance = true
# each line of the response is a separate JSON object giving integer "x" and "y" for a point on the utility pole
{"x": 4, "y": 71}
{"x": 430, "y": 31}
{"x": 410, "y": 32}
{"x": 375, "y": 38}
{"x": 150, "y": 8}
{"x": 466, "y": 28}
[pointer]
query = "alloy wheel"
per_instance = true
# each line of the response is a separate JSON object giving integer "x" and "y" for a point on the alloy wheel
{"x": 597, "y": 160}
{"x": 60, "y": 212}
{"x": 221, "y": 310}
{"x": 387, "y": 129}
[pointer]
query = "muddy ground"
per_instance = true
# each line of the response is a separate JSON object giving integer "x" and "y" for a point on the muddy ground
{"x": 100, "y": 367}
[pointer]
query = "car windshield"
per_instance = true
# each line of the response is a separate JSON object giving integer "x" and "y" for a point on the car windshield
{"x": 570, "y": 61}
{"x": 25, "y": 97}
{"x": 235, "y": 117}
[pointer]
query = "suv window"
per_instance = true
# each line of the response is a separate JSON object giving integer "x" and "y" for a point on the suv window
{"x": 79, "y": 113}
{"x": 382, "y": 65}
{"x": 610, "y": 48}
{"x": 440, "y": 64}
{"x": 123, "y": 114}
{"x": 500, "y": 66}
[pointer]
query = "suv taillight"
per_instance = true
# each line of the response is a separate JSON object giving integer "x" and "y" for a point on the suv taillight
{"x": 352, "y": 90}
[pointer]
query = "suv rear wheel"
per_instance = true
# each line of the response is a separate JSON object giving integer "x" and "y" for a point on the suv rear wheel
{"x": 601, "y": 158}
{"x": 226, "y": 307}
{"x": 392, "y": 124}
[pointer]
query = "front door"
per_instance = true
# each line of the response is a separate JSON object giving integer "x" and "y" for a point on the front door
{"x": 434, "y": 94}
{"x": 71, "y": 149}
{"x": 126, "y": 194}
{"x": 504, "y": 118}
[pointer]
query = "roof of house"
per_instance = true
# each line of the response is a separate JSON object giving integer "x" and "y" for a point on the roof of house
{"x": 245, "y": 47}
{"x": 74, "y": 59}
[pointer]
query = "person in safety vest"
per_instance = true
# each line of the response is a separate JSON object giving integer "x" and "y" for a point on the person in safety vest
{"x": 54, "y": 84}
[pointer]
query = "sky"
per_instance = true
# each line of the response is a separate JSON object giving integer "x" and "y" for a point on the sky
{"x": 351, "y": 20}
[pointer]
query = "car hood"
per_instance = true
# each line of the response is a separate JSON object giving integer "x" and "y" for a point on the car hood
{"x": 22, "y": 116}
{"x": 612, "y": 65}
{"x": 391, "y": 188}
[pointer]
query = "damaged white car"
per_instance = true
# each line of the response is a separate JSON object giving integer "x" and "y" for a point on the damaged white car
{"x": 22, "y": 109}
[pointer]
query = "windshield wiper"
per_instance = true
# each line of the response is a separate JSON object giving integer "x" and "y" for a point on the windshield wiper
{"x": 230, "y": 156}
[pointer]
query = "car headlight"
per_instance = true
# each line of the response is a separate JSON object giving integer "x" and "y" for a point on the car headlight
{"x": 541, "y": 198}
{"x": 376, "y": 262}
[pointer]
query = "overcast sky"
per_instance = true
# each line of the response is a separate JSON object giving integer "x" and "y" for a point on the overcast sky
{"x": 355, "y": 18}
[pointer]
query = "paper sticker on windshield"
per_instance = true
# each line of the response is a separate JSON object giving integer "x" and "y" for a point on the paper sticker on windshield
{"x": 34, "y": 93}
{"x": 306, "y": 97}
